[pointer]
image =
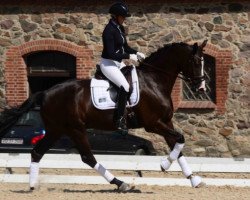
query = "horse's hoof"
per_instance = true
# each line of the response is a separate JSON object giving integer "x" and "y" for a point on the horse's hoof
{"x": 197, "y": 182}
{"x": 202, "y": 184}
{"x": 124, "y": 187}
{"x": 165, "y": 164}
{"x": 32, "y": 188}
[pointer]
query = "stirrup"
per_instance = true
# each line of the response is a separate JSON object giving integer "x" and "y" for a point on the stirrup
{"x": 121, "y": 124}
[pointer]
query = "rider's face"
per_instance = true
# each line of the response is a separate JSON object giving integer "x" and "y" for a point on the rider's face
{"x": 120, "y": 19}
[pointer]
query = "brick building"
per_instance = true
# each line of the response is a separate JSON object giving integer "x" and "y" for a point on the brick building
{"x": 46, "y": 42}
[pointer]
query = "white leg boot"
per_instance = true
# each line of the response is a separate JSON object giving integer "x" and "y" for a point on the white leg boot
{"x": 104, "y": 172}
{"x": 166, "y": 162}
{"x": 124, "y": 187}
{"x": 34, "y": 172}
{"x": 196, "y": 181}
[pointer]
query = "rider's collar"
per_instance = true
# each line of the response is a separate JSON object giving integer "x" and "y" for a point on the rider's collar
{"x": 114, "y": 23}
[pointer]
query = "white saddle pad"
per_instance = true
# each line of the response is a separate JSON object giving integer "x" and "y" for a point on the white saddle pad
{"x": 100, "y": 95}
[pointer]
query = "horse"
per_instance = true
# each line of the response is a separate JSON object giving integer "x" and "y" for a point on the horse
{"x": 67, "y": 109}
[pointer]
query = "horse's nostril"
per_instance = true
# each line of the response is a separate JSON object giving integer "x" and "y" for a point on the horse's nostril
{"x": 202, "y": 87}
{"x": 202, "y": 90}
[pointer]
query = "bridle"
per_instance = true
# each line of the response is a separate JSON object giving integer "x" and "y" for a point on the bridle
{"x": 201, "y": 78}
{"x": 180, "y": 75}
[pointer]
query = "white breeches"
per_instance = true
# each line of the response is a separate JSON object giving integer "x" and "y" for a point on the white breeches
{"x": 111, "y": 69}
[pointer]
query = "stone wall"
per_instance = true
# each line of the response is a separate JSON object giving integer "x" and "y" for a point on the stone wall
{"x": 225, "y": 25}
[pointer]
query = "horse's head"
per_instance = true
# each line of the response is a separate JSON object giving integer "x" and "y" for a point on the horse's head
{"x": 194, "y": 69}
{"x": 178, "y": 58}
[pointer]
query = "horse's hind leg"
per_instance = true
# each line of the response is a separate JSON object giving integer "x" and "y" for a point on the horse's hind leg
{"x": 83, "y": 146}
{"x": 36, "y": 155}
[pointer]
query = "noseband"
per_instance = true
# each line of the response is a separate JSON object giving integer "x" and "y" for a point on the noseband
{"x": 195, "y": 79}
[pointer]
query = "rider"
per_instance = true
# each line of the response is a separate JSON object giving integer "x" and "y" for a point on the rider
{"x": 115, "y": 49}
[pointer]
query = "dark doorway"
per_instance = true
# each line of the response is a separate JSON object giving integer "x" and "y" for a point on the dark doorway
{"x": 48, "y": 68}
{"x": 42, "y": 83}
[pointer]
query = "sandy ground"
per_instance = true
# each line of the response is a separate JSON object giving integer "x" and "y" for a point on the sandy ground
{"x": 18, "y": 191}
{"x": 11, "y": 191}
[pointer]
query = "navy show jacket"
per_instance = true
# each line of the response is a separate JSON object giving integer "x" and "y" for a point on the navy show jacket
{"x": 115, "y": 46}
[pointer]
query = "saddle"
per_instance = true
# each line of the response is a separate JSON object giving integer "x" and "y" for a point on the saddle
{"x": 114, "y": 89}
{"x": 104, "y": 93}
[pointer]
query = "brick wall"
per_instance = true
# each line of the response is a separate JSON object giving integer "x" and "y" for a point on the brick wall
{"x": 16, "y": 70}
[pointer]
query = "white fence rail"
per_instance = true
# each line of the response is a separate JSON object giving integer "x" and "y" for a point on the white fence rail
{"x": 143, "y": 163}
{"x": 114, "y": 162}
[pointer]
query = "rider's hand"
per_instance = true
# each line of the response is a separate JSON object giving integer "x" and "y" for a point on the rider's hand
{"x": 140, "y": 56}
{"x": 133, "y": 57}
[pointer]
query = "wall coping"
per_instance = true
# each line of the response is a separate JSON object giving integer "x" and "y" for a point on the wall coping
{"x": 103, "y": 2}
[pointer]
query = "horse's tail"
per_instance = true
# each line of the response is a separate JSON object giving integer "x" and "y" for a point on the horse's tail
{"x": 10, "y": 116}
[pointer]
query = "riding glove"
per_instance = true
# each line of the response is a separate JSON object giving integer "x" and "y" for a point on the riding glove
{"x": 140, "y": 56}
{"x": 133, "y": 57}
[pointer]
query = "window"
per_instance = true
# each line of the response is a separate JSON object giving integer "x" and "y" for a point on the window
{"x": 217, "y": 66}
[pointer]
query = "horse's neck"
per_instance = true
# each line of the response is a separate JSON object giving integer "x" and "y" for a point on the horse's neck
{"x": 163, "y": 72}
{"x": 162, "y": 69}
{"x": 157, "y": 81}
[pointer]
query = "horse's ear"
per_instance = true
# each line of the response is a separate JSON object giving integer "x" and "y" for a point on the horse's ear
{"x": 204, "y": 44}
{"x": 195, "y": 48}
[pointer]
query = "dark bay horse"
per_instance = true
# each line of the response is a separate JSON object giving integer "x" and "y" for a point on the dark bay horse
{"x": 67, "y": 109}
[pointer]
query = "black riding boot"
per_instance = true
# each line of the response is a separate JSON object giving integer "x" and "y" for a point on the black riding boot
{"x": 119, "y": 118}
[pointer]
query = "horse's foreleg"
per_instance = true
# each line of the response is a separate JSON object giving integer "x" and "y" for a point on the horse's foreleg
{"x": 195, "y": 180}
{"x": 176, "y": 143}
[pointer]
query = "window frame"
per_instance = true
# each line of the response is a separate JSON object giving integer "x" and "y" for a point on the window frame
{"x": 223, "y": 62}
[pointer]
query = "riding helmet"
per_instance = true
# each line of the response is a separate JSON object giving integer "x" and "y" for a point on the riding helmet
{"x": 119, "y": 9}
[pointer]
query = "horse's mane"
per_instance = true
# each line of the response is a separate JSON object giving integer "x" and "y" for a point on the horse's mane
{"x": 153, "y": 56}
